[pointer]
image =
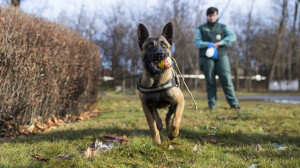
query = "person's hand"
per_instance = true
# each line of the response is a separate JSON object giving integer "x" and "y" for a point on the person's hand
{"x": 217, "y": 44}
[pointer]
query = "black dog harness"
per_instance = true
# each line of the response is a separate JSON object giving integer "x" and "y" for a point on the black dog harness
{"x": 166, "y": 86}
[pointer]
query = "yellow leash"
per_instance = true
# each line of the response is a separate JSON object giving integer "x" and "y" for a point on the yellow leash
{"x": 195, "y": 104}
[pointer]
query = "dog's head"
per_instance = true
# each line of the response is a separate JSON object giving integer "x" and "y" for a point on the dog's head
{"x": 154, "y": 49}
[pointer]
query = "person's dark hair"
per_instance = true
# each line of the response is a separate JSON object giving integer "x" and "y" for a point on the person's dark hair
{"x": 211, "y": 10}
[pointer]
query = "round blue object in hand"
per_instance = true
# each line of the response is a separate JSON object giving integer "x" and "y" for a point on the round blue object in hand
{"x": 211, "y": 51}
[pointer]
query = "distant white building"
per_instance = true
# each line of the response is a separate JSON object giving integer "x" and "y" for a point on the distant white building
{"x": 284, "y": 85}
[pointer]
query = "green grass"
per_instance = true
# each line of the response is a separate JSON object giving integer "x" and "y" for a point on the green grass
{"x": 258, "y": 122}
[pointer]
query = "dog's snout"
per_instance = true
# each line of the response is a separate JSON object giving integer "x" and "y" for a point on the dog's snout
{"x": 160, "y": 55}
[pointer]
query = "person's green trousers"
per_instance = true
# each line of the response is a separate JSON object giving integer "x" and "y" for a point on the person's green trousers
{"x": 220, "y": 67}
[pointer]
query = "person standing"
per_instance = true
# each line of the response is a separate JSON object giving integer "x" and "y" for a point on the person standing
{"x": 212, "y": 39}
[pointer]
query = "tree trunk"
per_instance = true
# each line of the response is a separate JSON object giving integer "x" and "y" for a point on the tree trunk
{"x": 297, "y": 50}
{"x": 278, "y": 39}
{"x": 291, "y": 47}
{"x": 247, "y": 52}
{"x": 15, "y": 3}
{"x": 236, "y": 73}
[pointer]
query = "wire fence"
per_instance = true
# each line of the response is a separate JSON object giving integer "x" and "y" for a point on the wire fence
{"x": 193, "y": 81}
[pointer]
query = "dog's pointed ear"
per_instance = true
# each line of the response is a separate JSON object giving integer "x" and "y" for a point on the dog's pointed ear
{"x": 142, "y": 35}
{"x": 168, "y": 32}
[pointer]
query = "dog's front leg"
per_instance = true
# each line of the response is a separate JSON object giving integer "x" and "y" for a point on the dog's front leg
{"x": 152, "y": 124}
{"x": 157, "y": 119}
{"x": 174, "y": 127}
{"x": 171, "y": 111}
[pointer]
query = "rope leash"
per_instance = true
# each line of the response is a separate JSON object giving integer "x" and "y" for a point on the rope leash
{"x": 195, "y": 104}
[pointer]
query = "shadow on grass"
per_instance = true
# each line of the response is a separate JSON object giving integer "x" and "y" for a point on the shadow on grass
{"x": 240, "y": 139}
{"x": 71, "y": 134}
{"x": 228, "y": 139}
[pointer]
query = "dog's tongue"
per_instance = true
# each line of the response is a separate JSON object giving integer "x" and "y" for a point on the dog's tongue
{"x": 155, "y": 65}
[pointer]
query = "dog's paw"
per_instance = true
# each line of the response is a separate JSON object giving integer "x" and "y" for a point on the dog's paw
{"x": 159, "y": 126}
{"x": 157, "y": 141}
{"x": 173, "y": 132}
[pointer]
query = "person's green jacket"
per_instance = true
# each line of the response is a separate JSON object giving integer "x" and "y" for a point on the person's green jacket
{"x": 213, "y": 32}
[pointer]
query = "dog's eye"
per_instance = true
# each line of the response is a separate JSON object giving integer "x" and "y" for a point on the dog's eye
{"x": 150, "y": 45}
{"x": 163, "y": 45}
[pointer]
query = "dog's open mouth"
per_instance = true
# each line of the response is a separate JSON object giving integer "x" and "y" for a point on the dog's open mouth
{"x": 155, "y": 66}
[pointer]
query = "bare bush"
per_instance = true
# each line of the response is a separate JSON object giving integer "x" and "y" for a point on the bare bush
{"x": 45, "y": 69}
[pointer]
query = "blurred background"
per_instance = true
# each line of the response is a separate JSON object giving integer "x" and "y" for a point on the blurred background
{"x": 264, "y": 57}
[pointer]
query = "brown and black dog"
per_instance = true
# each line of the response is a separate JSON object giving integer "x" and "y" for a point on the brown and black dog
{"x": 153, "y": 93}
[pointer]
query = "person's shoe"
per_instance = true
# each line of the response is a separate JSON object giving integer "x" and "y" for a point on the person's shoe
{"x": 237, "y": 107}
{"x": 211, "y": 108}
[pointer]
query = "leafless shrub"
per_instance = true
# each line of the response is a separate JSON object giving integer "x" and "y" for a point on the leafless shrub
{"x": 45, "y": 69}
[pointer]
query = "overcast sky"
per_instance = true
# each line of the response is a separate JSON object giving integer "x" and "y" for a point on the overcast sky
{"x": 51, "y": 9}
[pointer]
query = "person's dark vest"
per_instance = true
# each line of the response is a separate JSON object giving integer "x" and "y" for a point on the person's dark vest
{"x": 213, "y": 32}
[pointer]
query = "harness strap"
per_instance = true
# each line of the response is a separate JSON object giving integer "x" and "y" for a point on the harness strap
{"x": 168, "y": 85}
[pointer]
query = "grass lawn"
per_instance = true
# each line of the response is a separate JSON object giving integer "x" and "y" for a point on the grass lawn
{"x": 235, "y": 132}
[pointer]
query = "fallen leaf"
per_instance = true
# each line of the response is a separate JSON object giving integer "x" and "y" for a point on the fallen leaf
{"x": 258, "y": 148}
{"x": 40, "y": 125}
{"x": 113, "y": 138}
{"x": 91, "y": 107}
{"x": 59, "y": 123}
{"x": 93, "y": 115}
{"x": 74, "y": 118}
{"x": 213, "y": 141}
{"x": 84, "y": 116}
{"x": 124, "y": 139}
{"x": 9, "y": 126}
{"x": 63, "y": 158}
{"x": 50, "y": 123}
{"x": 54, "y": 119}
{"x": 24, "y": 130}
{"x": 109, "y": 137}
{"x": 47, "y": 130}
{"x": 89, "y": 152}
{"x": 203, "y": 139}
{"x": 97, "y": 110}
{"x": 68, "y": 116}
{"x": 40, "y": 158}
{"x": 208, "y": 140}
{"x": 196, "y": 147}
{"x": 31, "y": 128}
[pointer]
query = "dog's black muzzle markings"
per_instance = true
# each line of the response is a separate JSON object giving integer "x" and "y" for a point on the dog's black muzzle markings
{"x": 152, "y": 58}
